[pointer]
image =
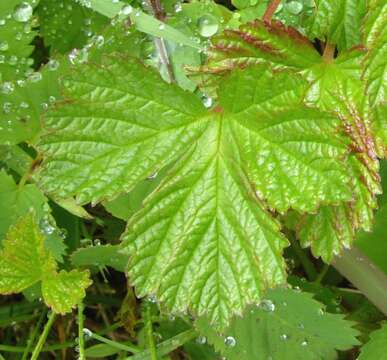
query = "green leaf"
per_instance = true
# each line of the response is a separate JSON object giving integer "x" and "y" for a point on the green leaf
{"x": 102, "y": 255}
{"x": 15, "y": 41}
{"x": 376, "y": 348}
{"x": 17, "y": 201}
{"x": 287, "y": 325}
{"x": 336, "y": 86}
{"x": 205, "y": 217}
{"x": 259, "y": 42}
{"x": 72, "y": 28}
{"x": 373, "y": 243}
{"x": 375, "y": 64}
{"x": 22, "y": 257}
{"x": 29, "y": 98}
{"x": 337, "y": 22}
{"x": 131, "y": 124}
{"x": 25, "y": 261}
{"x": 62, "y": 291}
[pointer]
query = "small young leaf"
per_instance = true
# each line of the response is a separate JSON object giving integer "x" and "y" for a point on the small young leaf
{"x": 62, "y": 291}
{"x": 25, "y": 261}
{"x": 22, "y": 257}
{"x": 286, "y": 326}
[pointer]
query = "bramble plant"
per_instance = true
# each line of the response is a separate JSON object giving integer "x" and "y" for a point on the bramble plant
{"x": 193, "y": 180}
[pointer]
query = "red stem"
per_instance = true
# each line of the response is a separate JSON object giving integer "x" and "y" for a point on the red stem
{"x": 271, "y": 9}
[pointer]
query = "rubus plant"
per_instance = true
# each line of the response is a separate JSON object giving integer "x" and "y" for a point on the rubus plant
{"x": 227, "y": 159}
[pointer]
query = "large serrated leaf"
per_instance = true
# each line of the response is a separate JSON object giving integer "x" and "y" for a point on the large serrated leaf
{"x": 286, "y": 326}
{"x": 205, "y": 217}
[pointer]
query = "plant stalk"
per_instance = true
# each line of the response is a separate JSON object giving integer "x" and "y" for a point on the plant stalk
{"x": 149, "y": 333}
{"x": 43, "y": 337}
{"x": 81, "y": 339}
{"x": 270, "y": 10}
{"x": 33, "y": 335}
{"x": 329, "y": 52}
{"x": 362, "y": 273}
{"x": 158, "y": 12}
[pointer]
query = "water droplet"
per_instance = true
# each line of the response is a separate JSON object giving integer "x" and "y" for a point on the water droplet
{"x": 46, "y": 227}
{"x": 304, "y": 343}
{"x": 301, "y": 326}
{"x": 152, "y": 298}
{"x": 35, "y": 77}
{"x": 152, "y": 176}
{"x": 294, "y": 7}
{"x": 201, "y": 340}
{"x": 161, "y": 26}
{"x": 208, "y": 25}
{"x": 230, "y": 341}
{"x": 126, "y": 10}
{"x": 321, "y": 312}
{"x": 4, "y": 46}
{"x": 87, "y": 333}
{"x": 97, "y": 242}
{"x": 53, "y": 65}
{"x": 284, "y": 337}
{"x": 207, "y": 101}
{"x": 7, "y": 87}
{"x": 178, "y": 7}
{"x": 23, "y": 12}
{"x": 267, "y": 305}
{"x": 99, "y": 41}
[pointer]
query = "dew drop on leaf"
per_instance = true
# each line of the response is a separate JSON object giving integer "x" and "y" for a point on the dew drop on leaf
{"x": 126, "y": 10}
{"x": 267, "y": 305}
{"x": 23, "y": 12}
{"x": 201, "y": 340}
{"x": 208, "y": 25}
{"x": 294, "y": 7}
{"x": 304, "y": 343}
{"x": 230, "y": 341}
{"x": 207, "y": 101}
{"x": 3, "y": 46}
{"x": 284, "y": 337}
{"x": 87, "y": 333}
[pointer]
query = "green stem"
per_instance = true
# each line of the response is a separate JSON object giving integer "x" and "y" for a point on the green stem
{"x": 43, "y": 337}
{"x": 304, "y": 259}
{"x": 33, "y": 335}
{"x": 149, "y": 332}
{"x": 167, "y": 346}
{"x": 129, "y": 348}
{"x": 362, "y": 273}
{"x": 322, "y": 274}
{"x": 81, "y": 339}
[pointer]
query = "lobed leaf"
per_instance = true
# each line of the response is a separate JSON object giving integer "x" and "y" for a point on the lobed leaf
{"x": 375, "y": 63}
{"x": 25, "y": 261}
{"x": 287, "y": 325}
{"x": 205, "y": 218}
